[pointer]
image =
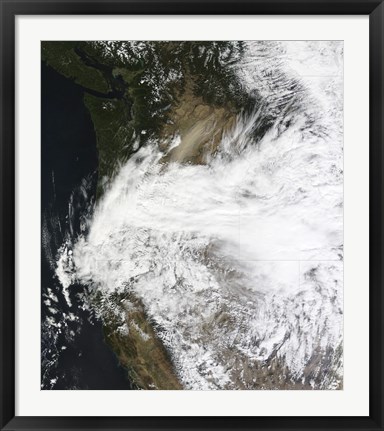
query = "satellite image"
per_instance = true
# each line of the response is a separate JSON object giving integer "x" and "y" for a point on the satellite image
{"x": 192, "y": 215}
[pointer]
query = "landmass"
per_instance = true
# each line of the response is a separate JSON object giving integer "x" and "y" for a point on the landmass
{"x": 185, "y": 91}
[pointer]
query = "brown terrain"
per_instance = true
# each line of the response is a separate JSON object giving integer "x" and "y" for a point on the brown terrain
{"x": 139, "y": 350}
{"x": 200, "y": 126}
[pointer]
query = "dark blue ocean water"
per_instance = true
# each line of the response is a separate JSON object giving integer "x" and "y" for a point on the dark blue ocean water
{"x": 73, "y": 352}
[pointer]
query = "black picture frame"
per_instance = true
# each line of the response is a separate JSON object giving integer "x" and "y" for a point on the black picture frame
{"x": 9, "y": 10}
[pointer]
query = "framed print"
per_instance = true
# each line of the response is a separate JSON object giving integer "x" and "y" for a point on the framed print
{"x": 191, "y": 215}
